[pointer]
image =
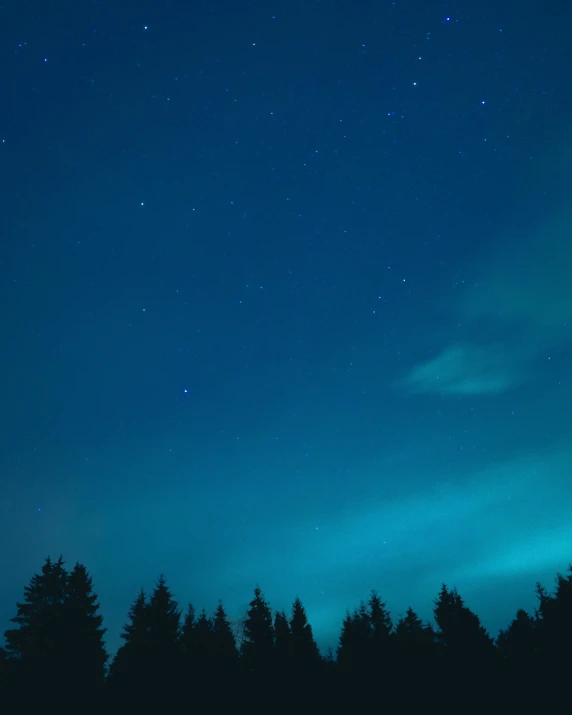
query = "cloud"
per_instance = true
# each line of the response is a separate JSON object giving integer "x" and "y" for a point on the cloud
{"x": 518, "y": 312}
{"x": 461, "y": 369}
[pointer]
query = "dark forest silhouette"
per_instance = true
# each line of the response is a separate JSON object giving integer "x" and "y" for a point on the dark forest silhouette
{"x": 55, "y": 656}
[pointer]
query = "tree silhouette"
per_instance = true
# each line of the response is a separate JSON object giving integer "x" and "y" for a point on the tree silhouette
{"x": 163, "y": 619}
{"x": 59, "y": 639}
{"x": 554, "y": 629}
{"x": 223, "y": 645}
{"x": 304, "y": 651}
{"x": 282, "y": 643}
{"x": 55, "y": 656}
{"x": 468, "y": 651}
{"x": 415, "y": 650}
{"x": 187, "y": 635}
{"x": 130, "y": 670}
{"x": 83, "y": 635}
{"x": 258, "y": 641}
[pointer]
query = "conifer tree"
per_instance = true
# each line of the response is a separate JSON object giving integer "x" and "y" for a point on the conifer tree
{"x": 305, "y": 653}
{"x": 468, "y": 652}
{"x": 203, "y": 639}
{"x": 82, "y": 634}
{"x": 415, "y": 650}
{"x": 59, "y": 640}
{"x": 37, "y": 643}
{"x": 518, "y": 643}
{"x": 187, "y": 637}
{"x": 554, "y": 626}
{"x": 258, "y": 641}
{"x": 163, "y": 619}
{"x": 283, "y": 644}
{"x": 380, "y": 629}
{"x": 130, "y": 670}
{"x": 353, "y": 648}
{"x": 223, "y": 644}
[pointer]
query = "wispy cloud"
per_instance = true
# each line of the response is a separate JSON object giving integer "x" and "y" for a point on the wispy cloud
{"x": 520, "y": 311}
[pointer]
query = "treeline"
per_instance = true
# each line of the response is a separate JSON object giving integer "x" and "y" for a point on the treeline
{"x": 55, "y": 657}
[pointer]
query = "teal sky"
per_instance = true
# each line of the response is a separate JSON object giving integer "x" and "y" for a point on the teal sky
{"x": 287, "y": 301}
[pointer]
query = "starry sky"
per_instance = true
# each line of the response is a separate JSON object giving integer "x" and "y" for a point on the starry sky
{"x": 286, "y": 300}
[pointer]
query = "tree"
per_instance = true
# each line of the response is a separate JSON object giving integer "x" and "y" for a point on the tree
{"x": 163, "y": 620}
{"x": 380, "y": 642}
{"x": 130, "y": 674}
{"x": 258, "y": 641}
{"x": 469, "y": 655}
{"x": 223, "y": 644}
{"x": 415, "y": 652}
{"x": 83, "y": 634}
{"x": 59, "y": 639}
{"x": 521, "y": 666}
{"x": 36, "y": 646}
{"x": 282, "y": 643}
{"x": 554, "y": 626}
{"x": 460, "y": 629}
{"x": 305, "y": 653}
{"x": 147, "y": 667}
{"x": 187, "y": 636}
{"x": 353, "y": 645}
{"x": 36, "y": 641}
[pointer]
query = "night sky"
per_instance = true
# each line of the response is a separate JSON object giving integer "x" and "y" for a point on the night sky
{"x": 286, "y": 300}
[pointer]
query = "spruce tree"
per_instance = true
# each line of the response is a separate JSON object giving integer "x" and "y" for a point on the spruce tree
{"x": 305, "y": 653}
{"x": 415, "y": 652}
{"x": 380, "y": 629}
{"x": 518, "y": 643}
{"x": 283, "y": 644}
{"x": 353, "y": 648}
{"x": 223, "y": 644}
{"x": 203, "y": 641}
{"x": 460, "y": 629}
{"x": 83, "y": 634}
{"x": 187, "y": 636}
{"x": 130, "y": 672}
{"x": 258, "y": 640}
{"x": 37, "y": 644}
{"x": 163, "y": 619}
{"x": 469, "y": 655}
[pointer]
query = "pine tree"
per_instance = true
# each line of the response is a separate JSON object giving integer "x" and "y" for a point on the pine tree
{"x": 203, "y": 641}
{"x": 380, "y": 627}
{"x": 469, "y": 655}
{"x": 83, "y": 634}
{"x": 283, "y": 643}
{"x": 460, "y": 629}
{"x": 59, "y": 641}
{"x": 37, "y": 642}
{"x": 554, "y": 626}
{"x": 415, "y": 652}
{"x": 223, "y": 644}
{"x": 187, "y": 637}
{"x": 305, "y": 653}
{"x": 258, "y": 641}
{"x": 518, "y": 643}
{"x": 353, "y": 648}
{"x": 163, "y": 620}
{"x": 130, "y": 673}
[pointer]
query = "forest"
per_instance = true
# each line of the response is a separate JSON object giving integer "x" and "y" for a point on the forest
{"x": 55, "y": 659}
